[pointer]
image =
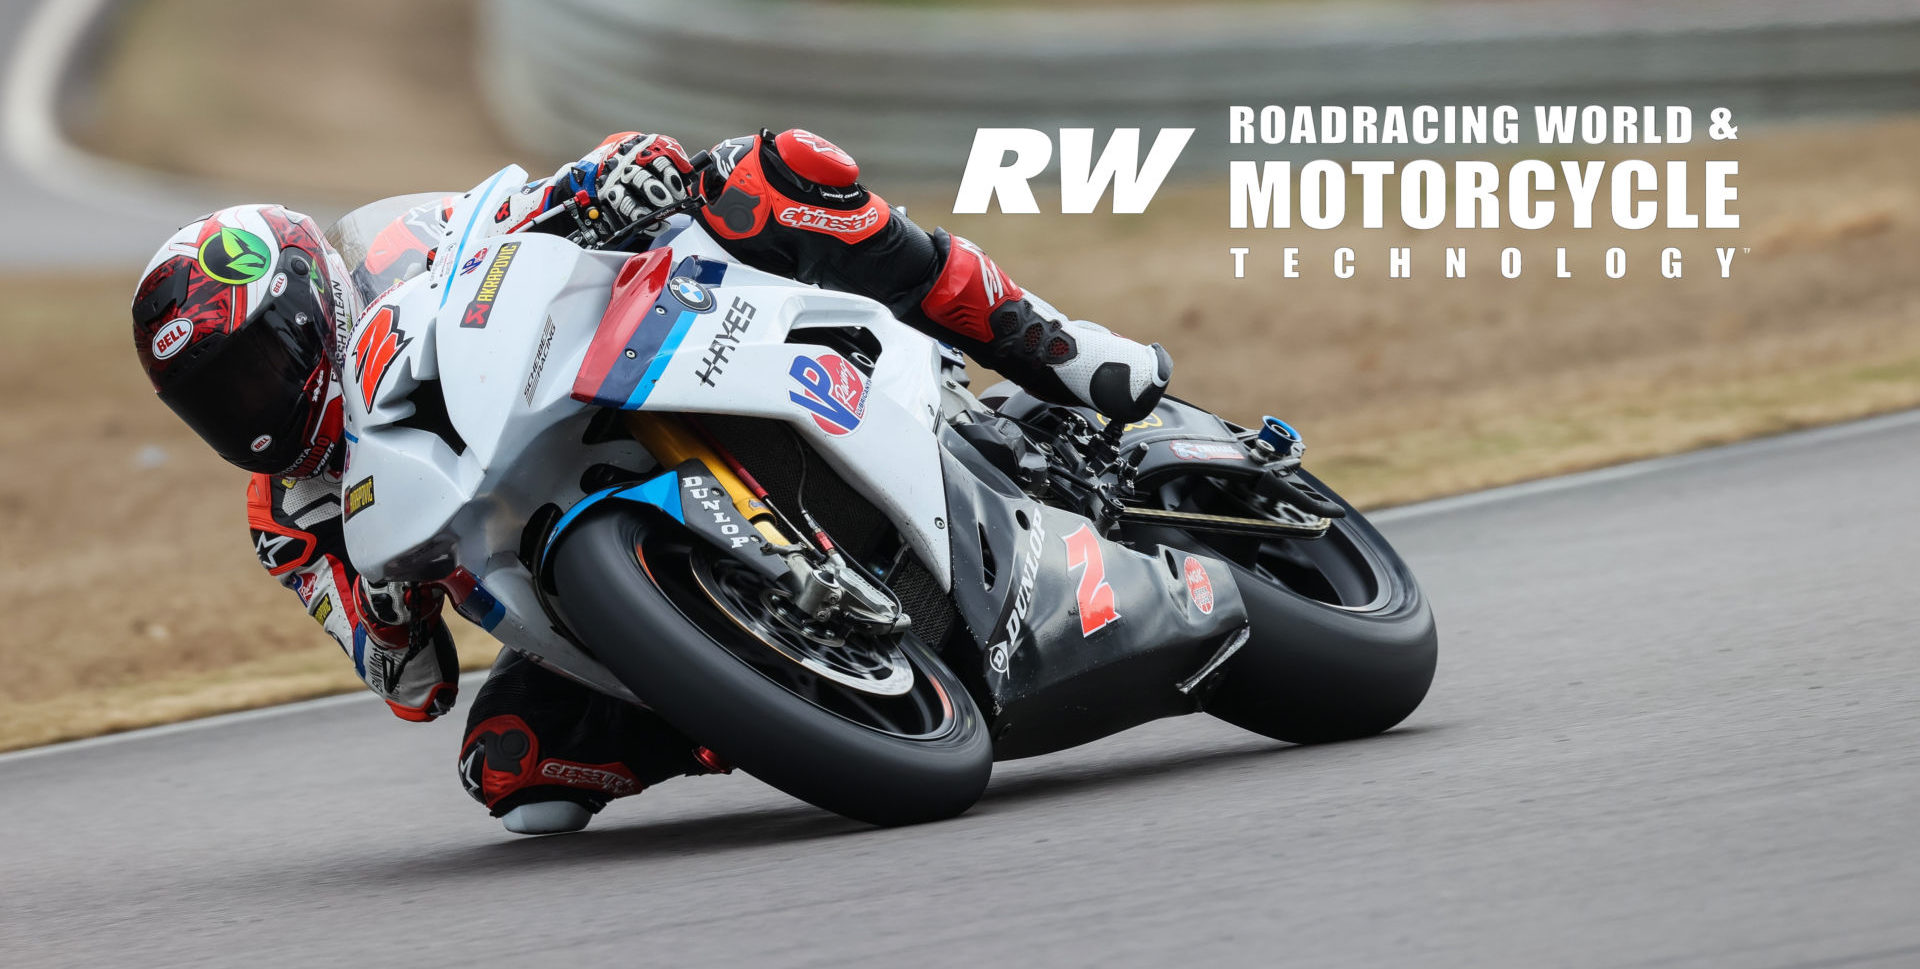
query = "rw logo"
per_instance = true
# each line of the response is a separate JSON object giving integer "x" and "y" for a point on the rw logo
{"x": 1082, "y": 179}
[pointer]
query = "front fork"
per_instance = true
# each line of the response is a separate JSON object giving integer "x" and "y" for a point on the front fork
{"x": 672, "y": 442}
{"x": 821, "y": 582}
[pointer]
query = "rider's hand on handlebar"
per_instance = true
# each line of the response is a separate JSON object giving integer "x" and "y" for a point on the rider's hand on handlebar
{"x": 650, "y": 173}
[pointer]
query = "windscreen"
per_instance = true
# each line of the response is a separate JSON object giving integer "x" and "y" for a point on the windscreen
{"x": 387, "y": 241}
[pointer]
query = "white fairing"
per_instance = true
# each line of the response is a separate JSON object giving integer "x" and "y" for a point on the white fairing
{"x": 437, "y": 500}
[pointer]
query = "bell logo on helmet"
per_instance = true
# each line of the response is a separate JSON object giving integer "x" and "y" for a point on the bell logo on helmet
{"x": 261, "y": 443}
{"x": 172, "y": 338}
{"x": 234, "y": 256}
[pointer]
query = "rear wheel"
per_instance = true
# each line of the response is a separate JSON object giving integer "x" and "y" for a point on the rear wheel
{"x": 878, "y": 731}
{"x": 1343, "y": 643}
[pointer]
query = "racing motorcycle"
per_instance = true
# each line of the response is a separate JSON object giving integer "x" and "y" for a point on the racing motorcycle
{"x": 780, "y": 518}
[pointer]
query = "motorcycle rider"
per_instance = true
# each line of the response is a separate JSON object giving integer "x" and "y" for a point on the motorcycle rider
{"x": 241, "y": 323}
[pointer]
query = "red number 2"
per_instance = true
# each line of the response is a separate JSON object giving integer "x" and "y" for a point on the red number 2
{"x": 1096, "y": 596}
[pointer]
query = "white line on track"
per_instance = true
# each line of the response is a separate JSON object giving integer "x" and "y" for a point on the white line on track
{"x": 1789, "y": 441}
{"x": 1638, "y": 469}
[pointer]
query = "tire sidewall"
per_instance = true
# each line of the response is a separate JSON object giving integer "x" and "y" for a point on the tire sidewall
{"x": 610, "y": 600}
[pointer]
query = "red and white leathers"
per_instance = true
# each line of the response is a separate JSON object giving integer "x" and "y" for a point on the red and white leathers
{"x": 791, "y": 204}
{"x": 295, "y": 524}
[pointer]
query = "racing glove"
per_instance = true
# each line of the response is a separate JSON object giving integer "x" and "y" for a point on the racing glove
{"x": 646, "y": 174}
{"x": 409, "y": 659}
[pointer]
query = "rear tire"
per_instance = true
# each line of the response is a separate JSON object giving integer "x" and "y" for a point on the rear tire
{"x": 629, "y": 591}
{"x": 1315, "y": 670}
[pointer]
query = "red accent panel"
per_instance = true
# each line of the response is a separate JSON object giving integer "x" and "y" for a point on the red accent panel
{"x": 969, "y": 288}
{"x": 745, "y": 185}
{"x": 260, "y": 518}
{"x": 636, "y": 287}
{"x": 424, "y": 712}
{"x": 1095, "y": 594}
{"x": 498, "y": 783}
{"x": 380, "y": 343}
{"x": 816, "y": 159}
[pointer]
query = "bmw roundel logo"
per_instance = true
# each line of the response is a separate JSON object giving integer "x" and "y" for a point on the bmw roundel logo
{"x": 691, "y": 293}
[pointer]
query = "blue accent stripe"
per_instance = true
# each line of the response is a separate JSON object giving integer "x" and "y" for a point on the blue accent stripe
{"x": 360, "y": 651}
{"x": 574, "y": 512}
{"x": 657, "y": 367}
{"x": 661, "y": 491}
{"x": 446, "y": 289}
{"x": 493, "y": 616}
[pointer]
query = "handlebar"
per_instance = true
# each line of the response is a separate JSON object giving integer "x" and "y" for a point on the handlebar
{"x": 586, "y": 216}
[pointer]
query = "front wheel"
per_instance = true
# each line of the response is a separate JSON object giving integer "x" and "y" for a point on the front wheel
{"x": 880, "y": 732}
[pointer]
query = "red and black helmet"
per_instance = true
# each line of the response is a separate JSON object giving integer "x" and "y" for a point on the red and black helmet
{"x": 236, "y": 324}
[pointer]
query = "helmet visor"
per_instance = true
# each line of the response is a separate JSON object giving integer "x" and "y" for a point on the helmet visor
{"x": 252, "y": 397}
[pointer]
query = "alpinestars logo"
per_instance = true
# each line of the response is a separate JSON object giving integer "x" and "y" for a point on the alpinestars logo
{"x": 270, "y": 547}
{"x": 832, "y": 223}
{"x": 373, "y": 354}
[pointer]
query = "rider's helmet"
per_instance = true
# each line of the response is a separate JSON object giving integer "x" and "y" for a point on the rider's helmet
{"x": 238, "y": 321}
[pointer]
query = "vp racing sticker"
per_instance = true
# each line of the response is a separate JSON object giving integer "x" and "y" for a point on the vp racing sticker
{"x": 832, "y": 390}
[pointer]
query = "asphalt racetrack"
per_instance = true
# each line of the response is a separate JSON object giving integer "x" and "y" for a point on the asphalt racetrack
{"x": 1675, "y": 725}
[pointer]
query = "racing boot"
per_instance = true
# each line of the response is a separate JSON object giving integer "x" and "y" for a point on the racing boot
{"x": 544, "y": 754}
{"x": 1022, "y": 336}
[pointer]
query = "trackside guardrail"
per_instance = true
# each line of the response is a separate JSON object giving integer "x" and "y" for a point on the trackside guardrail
{"x": 903, "y": 88}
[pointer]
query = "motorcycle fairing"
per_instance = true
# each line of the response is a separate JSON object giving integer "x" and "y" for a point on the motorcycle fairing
{"x": 691, "y": 496}
{"x": 747, "y": 354}
{"x": 639, "y": 335}
{"x": 1048, "y": 684}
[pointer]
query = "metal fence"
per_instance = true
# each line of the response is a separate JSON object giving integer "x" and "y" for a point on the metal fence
{"x": 904, "y": 88}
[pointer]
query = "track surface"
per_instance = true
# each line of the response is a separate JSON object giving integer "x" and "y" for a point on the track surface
{"x": 1675, "y": 725}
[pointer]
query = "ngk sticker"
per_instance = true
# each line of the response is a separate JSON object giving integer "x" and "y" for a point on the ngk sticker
{"x": 1199, "y": 586}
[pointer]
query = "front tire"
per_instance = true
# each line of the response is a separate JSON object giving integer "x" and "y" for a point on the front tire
{"x": 631, "y": 589}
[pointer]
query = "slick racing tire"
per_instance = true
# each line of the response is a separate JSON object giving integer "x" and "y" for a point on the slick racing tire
{"x": 1343, "y": 643}
{"x": 679, "y": 623}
